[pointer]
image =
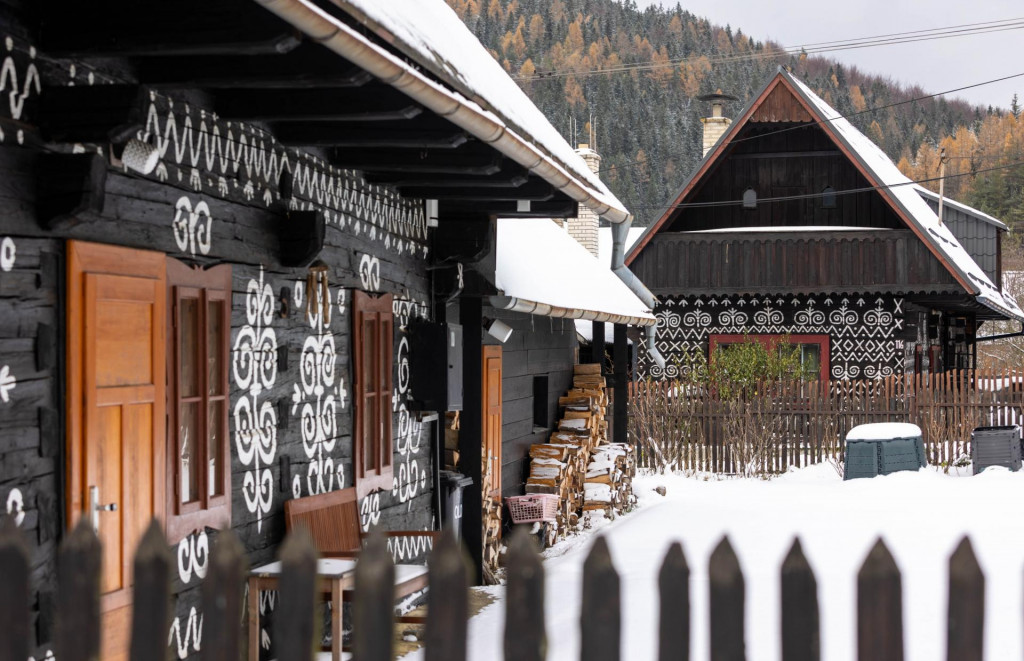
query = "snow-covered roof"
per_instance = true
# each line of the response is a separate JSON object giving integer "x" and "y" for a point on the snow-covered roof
{"x": 789, "y": 228}
{"x": 901, "y": 190}
{"x": 604, "y": 242}
{"x": 537, "y": 261}
{"x": 432, "y": 34}
{"x": 971, "y": 211}
{"x": 882, "y": 431}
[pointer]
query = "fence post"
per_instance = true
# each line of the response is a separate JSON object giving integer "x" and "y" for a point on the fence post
{"x": 374, "y": 613}
{"x": 78, "y": 600}
{"x": 525, "y": 637}
{"x": 966, "y": 622}
{"x": 879, "y": 607}
{"x": 727, "y": 597}
{"x": 674, "y": 588}
{"x": 222, "y": 599}
{"x": 447, "y": 611}
{"x": 600, "y": 625}
{"x": 15, "y": 576}
{"x": 151, "y": 599}
{"x": 801, "y": 634}
{"x": 294, "y": 626}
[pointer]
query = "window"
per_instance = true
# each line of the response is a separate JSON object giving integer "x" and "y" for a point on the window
{"x": 750, "y": 199}
{"x": 541, "y": 412}
{"x": 199, "y": 471}
{"x": 372, "y": 338}
{"x": 813, "y": 349}
{"x": 828, "y": 198}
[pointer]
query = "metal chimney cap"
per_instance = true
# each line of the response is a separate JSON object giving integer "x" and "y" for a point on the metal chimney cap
{"x": 717, "y": 96}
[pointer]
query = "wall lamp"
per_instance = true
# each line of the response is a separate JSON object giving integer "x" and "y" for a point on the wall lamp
{"x": 498, "y": 329}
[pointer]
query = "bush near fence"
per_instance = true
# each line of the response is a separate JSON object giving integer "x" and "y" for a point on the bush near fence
{"x": 779, "y": 424}
{"x": 879, "y": 603}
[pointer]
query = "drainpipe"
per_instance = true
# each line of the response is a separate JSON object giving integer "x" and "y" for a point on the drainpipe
{"x": 619, "y": 233}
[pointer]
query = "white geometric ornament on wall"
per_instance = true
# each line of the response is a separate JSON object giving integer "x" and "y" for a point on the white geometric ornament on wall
{"x": 16, "y": 505}
{"x": 8, "y": 253}
{"x": 254, "y": 366}
{"x": 192, "y": 226}
{"x": 193, "y": 563}
{"x": 369, "y": 272}
{"x": 18, "y": 86}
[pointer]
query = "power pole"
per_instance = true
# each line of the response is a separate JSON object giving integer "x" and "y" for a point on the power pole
{"x": 942, "y": 179}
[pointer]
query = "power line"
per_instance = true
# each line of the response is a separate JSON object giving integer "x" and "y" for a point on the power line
{"x": 810, "y": 196}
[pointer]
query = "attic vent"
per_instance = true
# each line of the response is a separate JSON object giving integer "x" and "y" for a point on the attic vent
{"x": 828, "y": 198}
{"x": 750, "y": 199}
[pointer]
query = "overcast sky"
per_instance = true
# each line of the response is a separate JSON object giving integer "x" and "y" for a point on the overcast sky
{"x": 936, "y": 65}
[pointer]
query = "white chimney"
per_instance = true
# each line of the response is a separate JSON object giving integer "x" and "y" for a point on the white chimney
{"x": 715, "y": 125}
{"x": 583, "y": 228}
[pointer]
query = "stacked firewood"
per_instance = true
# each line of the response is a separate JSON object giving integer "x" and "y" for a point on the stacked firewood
{"x": 492, "y": 530}
{"x": 609, "y": 479}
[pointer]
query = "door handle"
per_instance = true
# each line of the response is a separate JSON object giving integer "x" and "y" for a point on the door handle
{"x": 95, "y": 508}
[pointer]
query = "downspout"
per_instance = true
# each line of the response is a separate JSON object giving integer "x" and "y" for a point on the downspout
{"x": 619, "y": 233}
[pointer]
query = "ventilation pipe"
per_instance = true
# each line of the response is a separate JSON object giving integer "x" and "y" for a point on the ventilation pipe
{"x": 619, "y": 233}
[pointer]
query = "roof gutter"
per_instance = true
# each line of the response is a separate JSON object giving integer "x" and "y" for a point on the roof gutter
{"x": 545, "y": 310}
{"x": 619, "y": 268}
{"x": 327, "y": 30}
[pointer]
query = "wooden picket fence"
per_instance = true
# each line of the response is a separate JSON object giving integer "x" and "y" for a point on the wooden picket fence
{"x": 879, "y": 603}
{"x": 677, "y": 426}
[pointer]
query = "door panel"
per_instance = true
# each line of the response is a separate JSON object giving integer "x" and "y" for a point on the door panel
{"x": 116, "y": 400}
{"x": 492, "y": 418}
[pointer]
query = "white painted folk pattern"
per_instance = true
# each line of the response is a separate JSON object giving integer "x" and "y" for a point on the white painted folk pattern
{"x": 192, "y": 226}
{"x": 409, "y": 478}
{"x": 369, "y": 272}
{"x": 8, "y": 254}
{"x": 193, "y": 563}
{"x": 255, "y": 370}
{"x": 18, "y": 87}
{"x": 16, "y": 505}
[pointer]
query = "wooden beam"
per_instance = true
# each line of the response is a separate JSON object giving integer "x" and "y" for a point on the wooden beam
{"x": 787, "y": 154}
{"x": 348, "y": 135}
{"x": 558, "y": 208}
{"x": 535, "y": 190}
{"x": 68, "y": 185}
{"x": 118, "y": 28}
{"x": 471, "y": 431}
{"x": 101, "y": 113}
{"x": 471, "y": 159}
{"x": 308, "y": 66}
{"x": 511, "y": 175}
{"x": 376, "y": 104}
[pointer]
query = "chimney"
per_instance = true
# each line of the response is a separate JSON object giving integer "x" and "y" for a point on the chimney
{"x": 715, "y": 125}
{"x": 583, "y": 228}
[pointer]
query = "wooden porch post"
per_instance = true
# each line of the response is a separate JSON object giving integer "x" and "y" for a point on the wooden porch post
{"x": 471, "y": 430}
{"x": 597, "y": 344}
{"x": 621, "y": 356}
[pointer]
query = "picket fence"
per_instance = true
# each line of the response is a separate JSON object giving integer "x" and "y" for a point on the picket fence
{"x": 879, "y": 603}
{"x": 681, "y": 427}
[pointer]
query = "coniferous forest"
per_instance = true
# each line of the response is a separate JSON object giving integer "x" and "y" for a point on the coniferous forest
{"x": 568, "y": 57}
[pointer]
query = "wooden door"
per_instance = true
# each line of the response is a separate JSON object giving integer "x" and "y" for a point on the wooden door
{"x": 116, "y": 425}
{"x": 491, "y": 450}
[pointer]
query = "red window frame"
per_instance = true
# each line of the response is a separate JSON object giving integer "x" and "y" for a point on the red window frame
{"x": 771, "y": 341}
{"x": 372, "y": 348}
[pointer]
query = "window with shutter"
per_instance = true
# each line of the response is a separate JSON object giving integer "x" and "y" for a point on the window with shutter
{"x": 372, "y": 348}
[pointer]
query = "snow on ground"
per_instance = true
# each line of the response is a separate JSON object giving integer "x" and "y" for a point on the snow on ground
{"x": 921, "y": 516}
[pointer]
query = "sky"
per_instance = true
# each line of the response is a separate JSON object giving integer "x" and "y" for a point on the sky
{"x": 936, "y": 65}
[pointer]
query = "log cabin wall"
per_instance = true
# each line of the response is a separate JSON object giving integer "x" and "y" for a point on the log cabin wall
{"x": 214, "y": 198}
{"x": 981, "y": 239}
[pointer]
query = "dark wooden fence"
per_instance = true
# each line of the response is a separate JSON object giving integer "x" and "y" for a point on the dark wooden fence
{"x": 679, "y": 426}
{"x": 879, "y": 603}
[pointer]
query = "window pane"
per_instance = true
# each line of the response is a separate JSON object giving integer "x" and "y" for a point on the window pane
{"x": 810, "y": 358}
{"x": 188, "y": 458}
{"x": 370, "y": 422}
{"x": 369, "y": 349}
{"x": 188, "y": 349}
{"x": 215, "y": 354}
{"x": 214, "y": 450}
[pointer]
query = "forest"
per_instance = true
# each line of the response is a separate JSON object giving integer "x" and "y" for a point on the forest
{"x": 631, "y": 77}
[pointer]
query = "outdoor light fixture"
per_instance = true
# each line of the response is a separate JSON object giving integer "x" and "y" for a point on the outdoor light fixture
{"x": 498, "y": 329}
{"x": 140, "y": 156}
{"x": 431, "y": 213}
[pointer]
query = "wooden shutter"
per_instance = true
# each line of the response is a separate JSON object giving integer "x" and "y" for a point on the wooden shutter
{"x": 372, "y": 348}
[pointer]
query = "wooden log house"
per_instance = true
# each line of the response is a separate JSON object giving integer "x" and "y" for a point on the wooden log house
{"x": 230, "y": 232}
{"x": 796, "y": 224}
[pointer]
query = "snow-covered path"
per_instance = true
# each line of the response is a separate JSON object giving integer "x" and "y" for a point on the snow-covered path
{"x": 920, "y": 515}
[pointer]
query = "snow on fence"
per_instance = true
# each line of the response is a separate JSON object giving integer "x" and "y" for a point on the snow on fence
{"x": 879, "y": 603}
{"x": 679, "y": 426}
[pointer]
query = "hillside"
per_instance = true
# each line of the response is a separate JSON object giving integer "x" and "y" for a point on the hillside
{"x": 646, "y": 122}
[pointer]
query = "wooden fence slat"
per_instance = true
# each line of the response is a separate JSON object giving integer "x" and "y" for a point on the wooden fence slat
{"x": 966, "y": 623}
{"x": 525, "y": 636}
{"x": 295, "y": 629}
{"x": 600, "y": 625}
{"x": 448, "y": 603}
{"x": 78, "y": 599}
{"x": 374, "y": 613}
{"x": 222, "y": 599}
{"x": 15, "y": 576}
{"x": 674, "y": 589}
{"x": 151, "y": 596}
{"x": 727, "y": 598}
{"x": 879, "y": 607}
{"x": 801, "y": 634}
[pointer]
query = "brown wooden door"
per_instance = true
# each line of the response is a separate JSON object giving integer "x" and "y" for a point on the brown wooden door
{"x": 116, "y": 424}
{"x": 492, "y": 421}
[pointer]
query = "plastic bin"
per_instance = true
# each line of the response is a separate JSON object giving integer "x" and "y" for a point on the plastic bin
{"x": 533, "y": 507}
{"x": 451, "y": 515}
{"x": 996, "y": 446}
{"x": 883, "y": 448}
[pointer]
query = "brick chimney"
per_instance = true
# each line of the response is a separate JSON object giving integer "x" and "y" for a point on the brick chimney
{"x": 584, "y": 227}
{"x": 715, "y": 125}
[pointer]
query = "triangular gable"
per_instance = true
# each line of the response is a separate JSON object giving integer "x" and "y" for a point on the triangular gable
{"x": 785, "y": 99}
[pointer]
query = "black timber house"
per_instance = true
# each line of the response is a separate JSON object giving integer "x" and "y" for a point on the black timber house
{"x": 795, "y": 224}
{"x": 230, "y": 233}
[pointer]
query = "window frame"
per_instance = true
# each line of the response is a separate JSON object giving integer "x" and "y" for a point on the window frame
{"x": 771, "y": 340}
{"x": 207, "y": 286}
{"x": 379, "y": 312}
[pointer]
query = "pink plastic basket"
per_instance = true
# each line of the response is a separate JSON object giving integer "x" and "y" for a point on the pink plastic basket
{"x": 533, "y": 507}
